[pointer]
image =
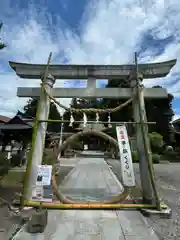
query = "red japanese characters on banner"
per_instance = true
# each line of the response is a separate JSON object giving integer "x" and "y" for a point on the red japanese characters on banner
{"x": 122, "y": 135}
{"x": 127, "y": 170}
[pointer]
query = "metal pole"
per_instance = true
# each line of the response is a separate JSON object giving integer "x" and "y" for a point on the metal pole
{"x": 44, "y": 106}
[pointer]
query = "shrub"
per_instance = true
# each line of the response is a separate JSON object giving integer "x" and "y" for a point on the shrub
{"x": 156, "y": 158}
{"x": 3, "y": 157}
{"x": 77, "y": 146}
{"x": 177, "y": 150}
{"x": 156, "y": 141}
{"x": 135, "y": 158}
{"x": 170, "y": 155}
{"x": 48, "y": 157}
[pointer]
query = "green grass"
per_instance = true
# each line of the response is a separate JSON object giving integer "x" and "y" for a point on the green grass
{"x": 13, "y": 178}
{"x": 136, "y": 192}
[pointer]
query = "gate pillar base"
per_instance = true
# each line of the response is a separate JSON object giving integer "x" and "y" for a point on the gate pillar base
{"x": 163, "y": 213}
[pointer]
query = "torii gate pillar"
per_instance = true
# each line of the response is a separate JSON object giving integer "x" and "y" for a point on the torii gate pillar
{"x": 138, "y": 109}
{"x": 39, "y": 139}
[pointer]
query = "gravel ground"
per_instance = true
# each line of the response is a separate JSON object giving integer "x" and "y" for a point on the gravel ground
{"x": 8, "y": 223}
{"x": 168, "y": 180}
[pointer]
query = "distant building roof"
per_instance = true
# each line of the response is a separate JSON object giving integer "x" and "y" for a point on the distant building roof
{"x": 18, "y": 122}
{"x": 14, "y": 126}
{"x": 177, "y": 121}
{"x": 4, "y": 119}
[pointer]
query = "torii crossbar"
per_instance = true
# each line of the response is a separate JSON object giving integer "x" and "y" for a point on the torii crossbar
{"x": 92, "y": 72}
{"x": 66, "y": 71}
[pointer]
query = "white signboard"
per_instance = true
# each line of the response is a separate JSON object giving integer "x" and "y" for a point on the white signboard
{"x": 42, "y": 194}
{"x": 37, "y": 193}
{"x": 125, "y": 157}
{"x": 44, "y": 175}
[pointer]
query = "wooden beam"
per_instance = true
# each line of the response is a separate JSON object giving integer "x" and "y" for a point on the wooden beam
{"x": 123, "y": 93}
{"x": 35, "y": 71}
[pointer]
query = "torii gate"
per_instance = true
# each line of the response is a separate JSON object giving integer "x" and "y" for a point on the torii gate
{"x": 92, "y": 72}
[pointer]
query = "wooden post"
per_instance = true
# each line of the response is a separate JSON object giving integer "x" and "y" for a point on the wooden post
{"x": 146, "y": 142}
{"x": 37, "y": 155}
{"x": 138, "y": 105}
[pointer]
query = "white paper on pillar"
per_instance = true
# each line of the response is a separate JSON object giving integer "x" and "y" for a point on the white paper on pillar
{"x": 127, "y": 170}
{"x": 44, "y": 175}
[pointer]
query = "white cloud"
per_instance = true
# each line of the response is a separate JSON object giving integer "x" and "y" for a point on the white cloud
{"x": 111, "y": 32}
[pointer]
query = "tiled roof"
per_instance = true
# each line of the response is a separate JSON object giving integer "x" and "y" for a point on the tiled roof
{"x": 177, "y": 121}
{"x": 4, "y": 119}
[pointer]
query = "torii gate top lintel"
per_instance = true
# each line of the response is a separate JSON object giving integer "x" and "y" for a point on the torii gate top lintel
{"x": 66, "y": 71}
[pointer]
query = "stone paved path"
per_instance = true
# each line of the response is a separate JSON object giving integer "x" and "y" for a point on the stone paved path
{"x": 90, "y": 177}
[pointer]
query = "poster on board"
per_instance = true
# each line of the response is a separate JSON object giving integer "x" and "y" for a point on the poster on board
{"x": 42, "y": 190}
{"x": 127, "y": 169}
{"x": 44, "y": 175}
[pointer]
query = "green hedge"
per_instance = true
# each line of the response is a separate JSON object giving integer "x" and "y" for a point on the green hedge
{"x": 155, "y": 157}
{"x": 172, "y": 156}
{"x": 135, "y": 158}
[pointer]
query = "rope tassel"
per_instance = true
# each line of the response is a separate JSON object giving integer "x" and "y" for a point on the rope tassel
{"x": 71, "y": 120}
{"x": 85, "y": 119}
{"x": 109, "y": 121}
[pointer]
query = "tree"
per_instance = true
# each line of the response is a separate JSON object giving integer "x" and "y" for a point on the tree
{"x": 158, "y": 110}
{"x": 30, "y": 110}
{"x": 2, "y": 45}
{"x": 126, "y": 113}
{"x": 156, "y": 141}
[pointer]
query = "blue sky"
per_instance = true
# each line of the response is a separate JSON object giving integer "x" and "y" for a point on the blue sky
{"x": 87, "y": 31}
